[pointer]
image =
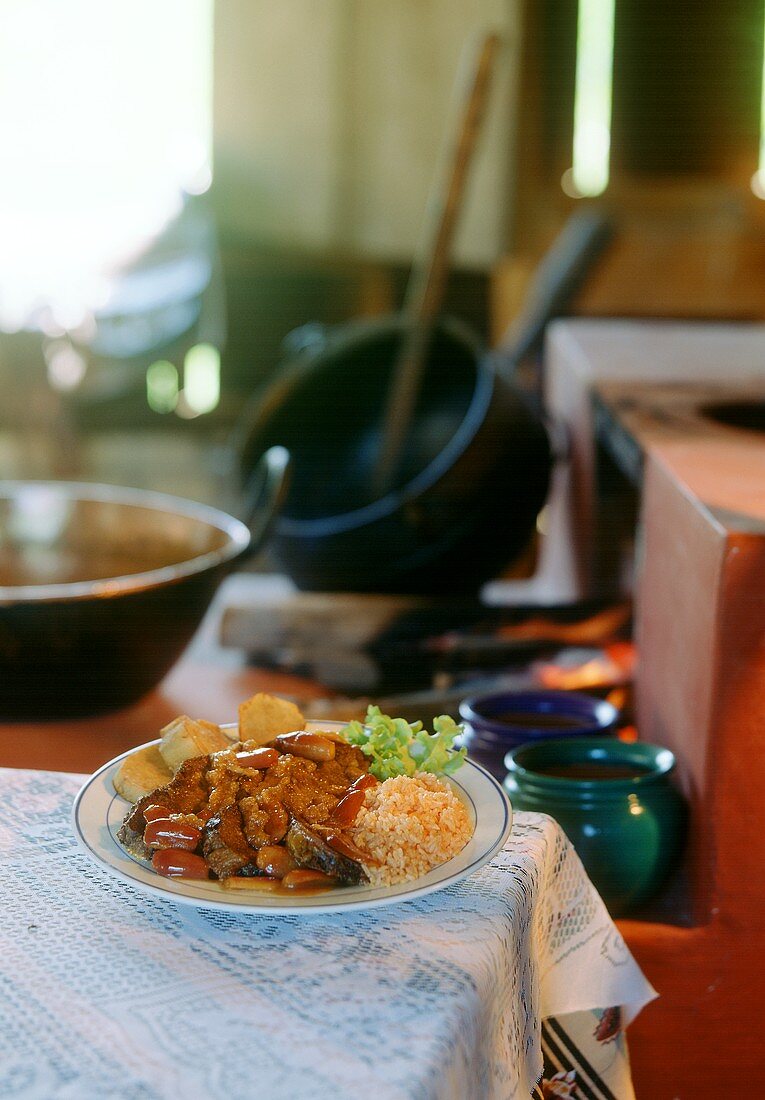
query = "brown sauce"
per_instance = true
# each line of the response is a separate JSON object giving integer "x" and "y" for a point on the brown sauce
{"x": 273, "y": 887}
{"x": 592, "y": 769}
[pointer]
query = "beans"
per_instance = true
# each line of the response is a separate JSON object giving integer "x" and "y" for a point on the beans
{"x": 345, "y": 846}
{"x": 274, "y": 861}
{"x": 311, "y": 746}
{"x": 156, "y": 812}
{"x": 257, "y": 758}
{"x": 303, "y": 877}
{"x": 364, "y": 782}
{"x": 173, "y": 863}
{"x": 164, "y": 833}
{"x": 347, "y": 809}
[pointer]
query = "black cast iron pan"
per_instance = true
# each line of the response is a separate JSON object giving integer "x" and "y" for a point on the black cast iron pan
{"x": 475, "y": 468}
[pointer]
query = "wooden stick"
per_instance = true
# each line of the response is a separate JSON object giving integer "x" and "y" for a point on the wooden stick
{"x": 426, "y": 285}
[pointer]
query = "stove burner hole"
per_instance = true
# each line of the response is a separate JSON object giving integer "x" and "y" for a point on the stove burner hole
{"x": 749, "y": 415}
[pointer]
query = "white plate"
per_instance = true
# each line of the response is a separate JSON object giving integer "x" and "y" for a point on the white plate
{"x": 98, "y": 813}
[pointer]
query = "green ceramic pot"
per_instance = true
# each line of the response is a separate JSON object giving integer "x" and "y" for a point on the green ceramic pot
{"x": 616, "y": 803}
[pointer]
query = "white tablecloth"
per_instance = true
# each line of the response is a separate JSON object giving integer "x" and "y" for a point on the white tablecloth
{"x": 107, "y": 992}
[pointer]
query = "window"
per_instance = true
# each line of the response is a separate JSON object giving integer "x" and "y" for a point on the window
{"x": 105, "y": 120}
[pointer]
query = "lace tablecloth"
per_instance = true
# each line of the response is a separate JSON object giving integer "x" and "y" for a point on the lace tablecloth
{"x": 107, "y": 992}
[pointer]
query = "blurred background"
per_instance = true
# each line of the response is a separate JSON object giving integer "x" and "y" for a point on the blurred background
{"x": 186, "y": 182}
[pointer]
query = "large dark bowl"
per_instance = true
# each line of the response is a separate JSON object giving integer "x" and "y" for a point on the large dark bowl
{"x": 101, "y": 588}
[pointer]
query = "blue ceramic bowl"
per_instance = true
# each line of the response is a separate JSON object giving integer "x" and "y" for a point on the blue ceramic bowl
{"x": 496, "y": 723}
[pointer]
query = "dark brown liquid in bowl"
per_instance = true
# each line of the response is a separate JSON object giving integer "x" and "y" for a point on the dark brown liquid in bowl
{"x": 535, "y": 720}
{"x": 592, "y": 769}
{"x": 97, "y": 540}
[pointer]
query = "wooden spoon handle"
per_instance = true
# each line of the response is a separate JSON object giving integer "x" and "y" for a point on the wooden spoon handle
{"x": 426, "y": 285}
{"x": 425, "y": 289}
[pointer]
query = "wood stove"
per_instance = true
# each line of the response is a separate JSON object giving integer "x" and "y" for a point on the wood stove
{"x": 679, "y": 409}
{"x": 612, "y": 388}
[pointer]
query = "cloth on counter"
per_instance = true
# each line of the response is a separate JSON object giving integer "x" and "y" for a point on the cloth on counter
{"x": 108, "y": 992}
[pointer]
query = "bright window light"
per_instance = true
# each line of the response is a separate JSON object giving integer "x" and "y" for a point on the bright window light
{"x": 201, "y": 378}
{"x": 162, "y": 386}
{"x": 758, "y": 179}
{"x": 105, "y": 120}
{"x": 592, "y": 98}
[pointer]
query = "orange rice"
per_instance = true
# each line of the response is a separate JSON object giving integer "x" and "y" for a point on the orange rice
{"x": 410, "y": 825}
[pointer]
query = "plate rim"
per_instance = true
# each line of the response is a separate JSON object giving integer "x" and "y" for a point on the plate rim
{"x": 405, "y": 891}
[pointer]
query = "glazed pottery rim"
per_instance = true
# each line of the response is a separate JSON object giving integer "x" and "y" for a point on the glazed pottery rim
{"x": 652, "y": 762}
{"x": 480, "y": 711}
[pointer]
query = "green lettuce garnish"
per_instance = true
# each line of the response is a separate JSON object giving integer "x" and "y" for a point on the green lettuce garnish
{"x": 396, "y": 747}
